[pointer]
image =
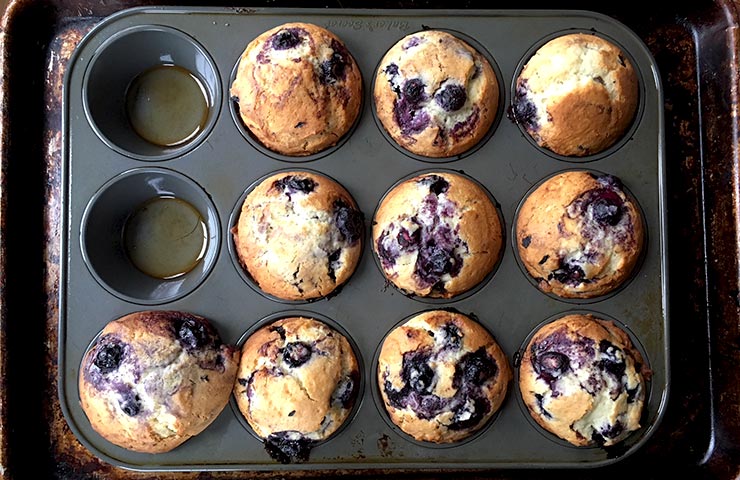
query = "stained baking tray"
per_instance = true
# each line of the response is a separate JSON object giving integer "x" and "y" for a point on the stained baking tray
{"x": 695, "y": 47}
{"x": 98, "y": 177}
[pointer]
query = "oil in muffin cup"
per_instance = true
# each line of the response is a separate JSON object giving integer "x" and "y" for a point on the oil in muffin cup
{"x": 635, "y": 438}
{"x": 151, "y": 93}
{"x": 150, "y": 235}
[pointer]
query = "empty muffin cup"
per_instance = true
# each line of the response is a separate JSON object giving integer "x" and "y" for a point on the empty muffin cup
{"x": 151, "y": 93}
{"x": 150, "y": 235}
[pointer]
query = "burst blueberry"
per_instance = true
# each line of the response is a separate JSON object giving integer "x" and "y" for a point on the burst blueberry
{"x": 451, "y": 98}
{"x": 286, "y": 39}
{"x": 292, "y": 184}
{"x": 296, "y": 354}
{"x": 109, "y": 356}
{"x": 349, "y": 221}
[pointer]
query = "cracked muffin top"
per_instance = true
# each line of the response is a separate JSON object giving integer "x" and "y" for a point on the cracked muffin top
{"x": 442, "y": 376}
{"x": 435, "y": 95}
{"x": 297, "y": 384}
{"x": 577, "y": 95}
{"x": 154, "y": 379}
{"x": 437, "y": 235}
{"x": 299, "y": 235}
{"x": 298, "y": 89}
{"x": 582, "y": 379}
{"x": 579, "y": 234}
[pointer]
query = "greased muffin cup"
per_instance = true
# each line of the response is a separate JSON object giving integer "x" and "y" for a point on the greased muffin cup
{"x": 114, "y": 192}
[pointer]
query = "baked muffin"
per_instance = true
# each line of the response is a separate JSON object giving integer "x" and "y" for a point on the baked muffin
{"x": 154, "y": 379}
{"x": 299, "y": 235}
{"x": 577, "y": 95}
{"x": 442, "y": 376}
{"x": 435, "y": 95}
{"x": 579, "y": 234}
{"x": 297, "y": 384}
{"x": 582, "y": 379}
{"x": 298, "y": 89}
{"x": 437, "y": 235}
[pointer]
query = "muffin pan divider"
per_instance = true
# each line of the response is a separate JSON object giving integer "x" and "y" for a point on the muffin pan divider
{"x": 224, "y": 164}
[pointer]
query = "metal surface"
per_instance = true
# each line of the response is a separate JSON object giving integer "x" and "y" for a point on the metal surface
{"x": 695, "y": 48}
{"x": 224, "y": 165}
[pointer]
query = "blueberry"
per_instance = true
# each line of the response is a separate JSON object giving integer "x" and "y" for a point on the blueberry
{"x": 525, "y": 111}
{"x": 452, "y": 335}
{"x": 344, "y": 394}
{"x": 551, "y": 365}
{"x": 612, "y": 363}
{"x": 606, "y": 207}
{"x": 130, "y": 403}
{"x": 613, "y": 431}
{"x": 285, "y": 39}
{"x": 387, "y": 251}
{"x": 632, "y": 394}
{"x": 437, "y": 185}
{"x": 433, "y": 262}
{"x": 292, "y": 184}
{"x": 569, "y": 273}
{"x": 280, "y": 331}
{"x": 349, "y": 221}
{"x": 451, "y": 98}
{"x": 408, "y": 240}
{"x": 470, "y": 413}
{"x": 526, "y": 241}
{"x": 474, "y": 368}
{"x": 192, "y": 333}
{"x": 391, "y": 69}
{"x": 109, "y": 356}
{"x": 334, "y": 68}
{"x": 296, "y": 354}
{"x": 409, "y": 116}
{"x": 417, "y": 373}
{"x": 332, "y": 262}
{"x": 413, "y": 91}
{"x": 541, "y": 405}
{"x": 288, "y": 447}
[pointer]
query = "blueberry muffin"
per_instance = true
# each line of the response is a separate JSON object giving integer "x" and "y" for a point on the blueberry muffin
{"x": 298, "y": 381}
{"x": 154, "y": 379}
{"x": 435, "y": 95}
{"x": 442, "y": 376}
{"x": 299, "y": 235}
{"x": 298, "y": 89}
{"x": 577, "y": 95}
{"x": 579, "y": 234}
{"x": 582, "y": 379}
{"x": 437, "y": 235}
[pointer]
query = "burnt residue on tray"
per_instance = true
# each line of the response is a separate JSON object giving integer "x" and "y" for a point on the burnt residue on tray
{"x": 702, "y": 171}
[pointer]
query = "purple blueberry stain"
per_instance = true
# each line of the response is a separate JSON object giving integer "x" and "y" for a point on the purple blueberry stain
{"x": 417, "y": 373}
{"x": 437, "y": 185}
{"x": 296, "y": 354}
{"x": 412, "y": 42}
{"x": 288, "y": 447}
{"x": 474, "y": 369}
{"x": 451, "y": 97}
{"x": 334, "y": 69}
{"x": 524, "y": 110}
{"x": 292, "y": 184}
{"x": 110, "y": 354}
{"x": 464, "y": 128}
{"x": 349, "y": 221}
{"x": 287, "y": 38}
{"x": 130, "y": 403}
{"x": 409, "y": 116}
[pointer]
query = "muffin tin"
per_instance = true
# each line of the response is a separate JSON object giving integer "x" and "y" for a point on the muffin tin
{"x": 106, "y": 170}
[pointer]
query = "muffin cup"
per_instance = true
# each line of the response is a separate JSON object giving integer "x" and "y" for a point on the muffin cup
{"x": 647, "y": 383}
{"x": 274, "y": 317}
{"x": 619, "y": 142}
{"x": 103, "y": 222}
{"x": 119, "y": 61}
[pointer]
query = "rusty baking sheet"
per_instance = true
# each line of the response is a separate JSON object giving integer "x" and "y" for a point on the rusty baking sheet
{"x": 696, "y": 49}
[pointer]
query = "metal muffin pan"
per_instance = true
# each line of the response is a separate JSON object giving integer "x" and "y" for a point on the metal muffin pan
{"x": 222, "y": 163}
